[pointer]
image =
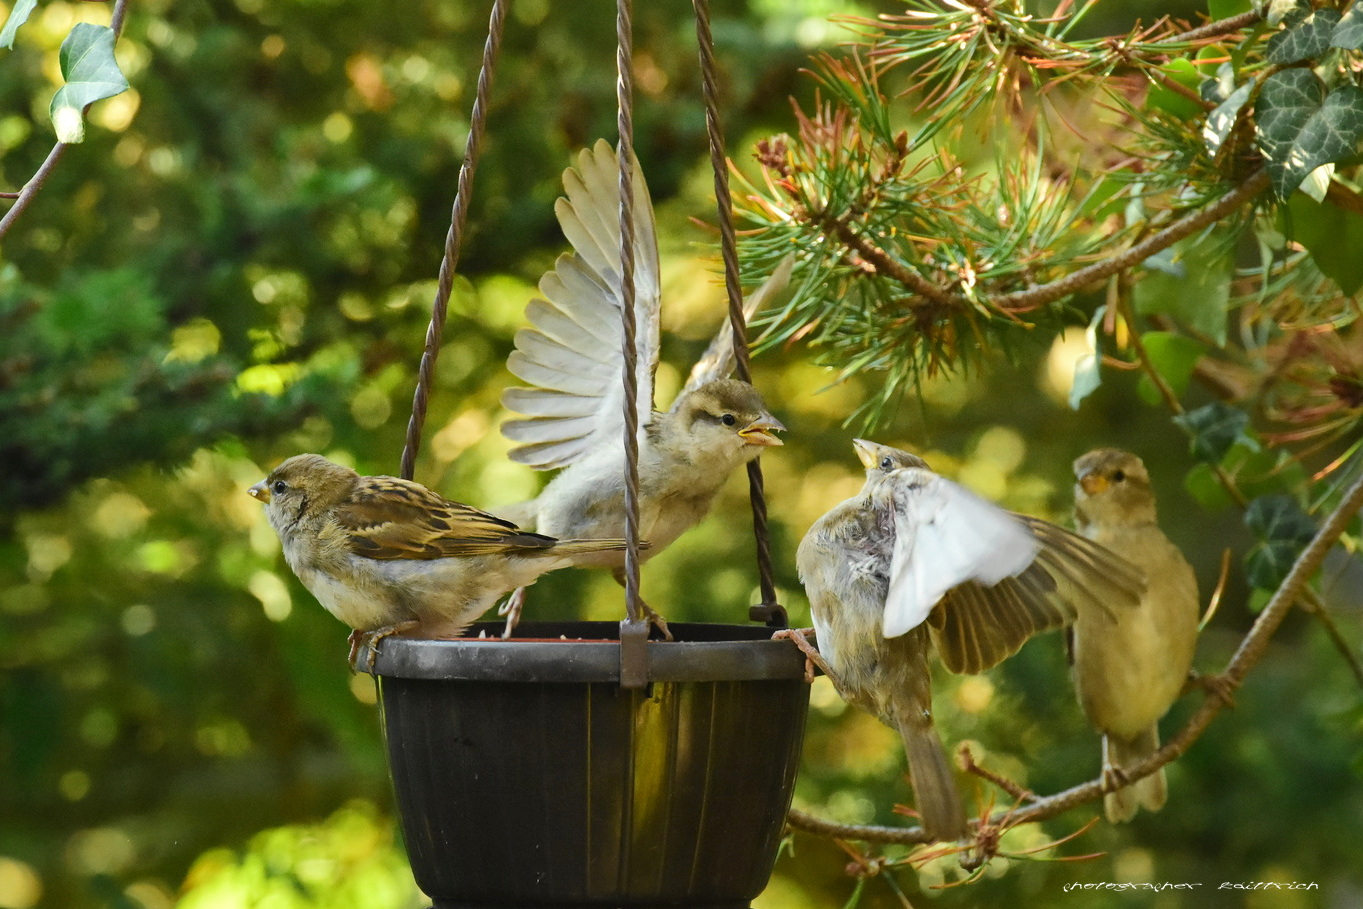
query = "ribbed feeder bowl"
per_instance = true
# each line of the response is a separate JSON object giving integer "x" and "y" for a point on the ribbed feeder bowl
{"x": 527, "y": 776}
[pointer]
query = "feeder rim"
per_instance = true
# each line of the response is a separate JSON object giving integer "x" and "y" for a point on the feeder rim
{"x": 587, "y": 652}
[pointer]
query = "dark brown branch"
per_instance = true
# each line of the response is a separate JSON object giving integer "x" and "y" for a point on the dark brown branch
{"x": 1218, "y": 28}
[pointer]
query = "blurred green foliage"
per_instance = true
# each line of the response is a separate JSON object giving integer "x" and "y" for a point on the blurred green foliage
{"x": 237, "y": 264}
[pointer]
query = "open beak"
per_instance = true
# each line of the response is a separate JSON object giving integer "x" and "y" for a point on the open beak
{"x": 866, "y": 452}
{"x": 1093, "y": 483}
{"x": 260, "y": 491}
{"x": 759, "y": 431}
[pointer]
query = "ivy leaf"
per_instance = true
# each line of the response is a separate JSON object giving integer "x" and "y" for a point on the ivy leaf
{"x": 1300, "y": 127}
{"x": 1161, "y": 97}
{"x": 91, "y": 74}
{"x": 1173, "y": 356}
{"x": 1332, "y": 235}
{"x": 1349, "y": 33}
{"x": 1086, "y": 375}
{"x": 1221, "y": 120}
{"x": 1278, "y": 10}
{"x": 18, "y": 15}
{"x": 1283, "y": 529}
{"x": 1304, "y": 39}
{"x": 1192, "y": 284}
{"x": 1214, "y": 428}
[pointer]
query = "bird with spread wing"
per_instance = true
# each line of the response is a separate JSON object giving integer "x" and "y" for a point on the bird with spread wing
{"x": 573, "y": 413}
{"x": 914, "y": 563}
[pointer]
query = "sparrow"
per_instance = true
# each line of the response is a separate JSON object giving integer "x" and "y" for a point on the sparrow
{"x": 389, "y": 556}
{"x": 1129, "y": 667}
{"x": 915, "y": 563}
{"x": 573, "y": 414}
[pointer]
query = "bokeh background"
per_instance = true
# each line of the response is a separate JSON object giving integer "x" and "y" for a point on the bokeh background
{"x": 238, "y": 264}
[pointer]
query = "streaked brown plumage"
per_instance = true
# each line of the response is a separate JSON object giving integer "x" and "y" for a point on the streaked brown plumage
{"x": 1130, "y": 666}
{"x": 1029, "y": 576}
{"x": 381, "y": 553}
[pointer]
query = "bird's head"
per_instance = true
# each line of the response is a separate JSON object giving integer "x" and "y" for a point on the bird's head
{"x": 303, "y": 484}
{"x": 1113, "y": 487}
{"x": 727, "y": 417}
{"x": 882, "y": 459}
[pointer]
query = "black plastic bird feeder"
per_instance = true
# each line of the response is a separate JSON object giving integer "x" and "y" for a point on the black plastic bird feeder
{"x": 580, "y": 764}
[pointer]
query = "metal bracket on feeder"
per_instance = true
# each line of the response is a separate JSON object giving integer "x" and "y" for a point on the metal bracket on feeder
{"x": 772, "y": 614}
{"x": 633, "y": 653}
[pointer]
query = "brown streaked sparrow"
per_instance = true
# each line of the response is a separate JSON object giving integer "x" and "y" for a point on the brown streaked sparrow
{"x": 389, "y": 556}
{"x": 1129, "y": 667}
{"x": 574, "y": 413}
{"x": 915, "y": 562}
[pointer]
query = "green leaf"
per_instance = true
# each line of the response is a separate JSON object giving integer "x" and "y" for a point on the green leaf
{"x": 1349, "y": 33}
{"x": 1300, "y": 127}
{"x": 1221, "y": 120}
{"x": 1190, "y": 283}
{"x": 1283, "y": 529}
{"x": 1279, "y": 10}
{"x": 1214, "y": 428}
{"x": 1173, "y": 356}
{"x": 91, "y": 74}
{"x": 1224, "y": 9}
{"x": 1087, "y": 378}
{"x": 1160, "y": 97}
{"x": 18, "y": 15}
{"x": 1332, "y": 235}
{"x": 1202, "y": 484}
{"x": 1304, "y": 39}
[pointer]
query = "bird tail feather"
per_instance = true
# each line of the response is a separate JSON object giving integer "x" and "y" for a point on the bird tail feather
{"x": 578, "y": 547}
{"x": 1148, "y": 792}
{"x": 934, "y": 786}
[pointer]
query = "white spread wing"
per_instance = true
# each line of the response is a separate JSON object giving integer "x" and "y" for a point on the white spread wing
{"x": 946, "y": 535}
{"x": 718, "y": 360}
{"x": 572, "y": 353}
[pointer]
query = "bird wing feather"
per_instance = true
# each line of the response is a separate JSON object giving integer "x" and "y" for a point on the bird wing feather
{"x": 389, "y": 518}
{"x": 945, "y": 536}
{"x": 718, "y": 360}
{"x": 573, "y": 344}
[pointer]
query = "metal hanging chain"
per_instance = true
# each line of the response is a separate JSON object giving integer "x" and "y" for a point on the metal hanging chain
{"x": 769, "y": 610}
{"x": 453, "y": 239}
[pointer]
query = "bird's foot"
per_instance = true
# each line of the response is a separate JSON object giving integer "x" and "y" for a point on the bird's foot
{"x": 1114, "y": 778}
{"x": 512, "y": 610}
{"x": 372, "y": 639}
{"x": 1218, "y": 686}
{"x": 800, "y": 638}
{"x": 656, "y": 620}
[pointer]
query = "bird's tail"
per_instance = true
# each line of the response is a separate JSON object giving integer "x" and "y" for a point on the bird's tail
{"x": 934, "y": 787}
{"x": 578, "y": 547}
{"x": 1148, "y": 792}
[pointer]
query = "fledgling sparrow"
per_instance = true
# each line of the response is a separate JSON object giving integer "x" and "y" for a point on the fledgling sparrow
{"x": 390, "y": 556}
{"x": 915, "y": 562}
{"x": 1130, "y": 666}
{"x": 573, "y": 414}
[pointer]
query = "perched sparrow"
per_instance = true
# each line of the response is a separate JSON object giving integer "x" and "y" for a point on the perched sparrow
{"x": 574, "y": 414}
{"x": 1131, "y": 665}
{"x": 915, "y": 561}
{"x": 389, "y": 556}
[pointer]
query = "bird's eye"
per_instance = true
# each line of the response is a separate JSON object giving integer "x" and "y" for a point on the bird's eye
{"x": 886, "y": 463}
{"x": 1118, "y": 476}
{"x": 728, "y": 419}
{"x": 279, "y": 487}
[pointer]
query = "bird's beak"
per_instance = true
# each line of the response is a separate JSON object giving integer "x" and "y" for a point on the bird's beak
{"x": 1092, "y": 483}
{"x": 260, "y": 491}
{"x": 866, "y": 452}
{"x": 759, "y": 431}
